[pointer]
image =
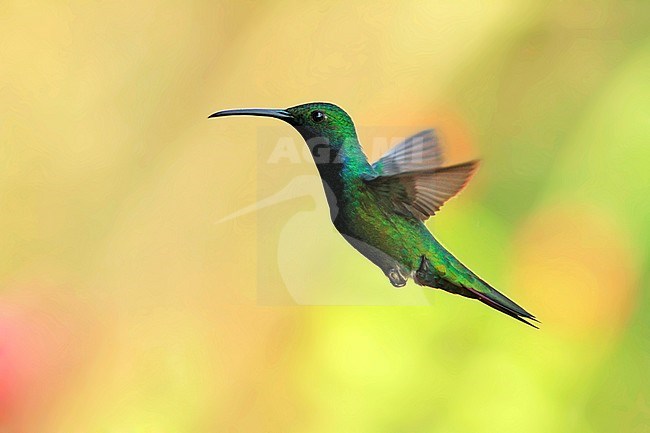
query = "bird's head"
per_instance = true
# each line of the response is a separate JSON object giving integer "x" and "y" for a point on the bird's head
{"x": 316, "y": 120}
{"x": 321, "y": 124}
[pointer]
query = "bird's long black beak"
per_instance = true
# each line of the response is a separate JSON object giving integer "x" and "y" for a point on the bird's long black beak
{"x": 264, "y": 112}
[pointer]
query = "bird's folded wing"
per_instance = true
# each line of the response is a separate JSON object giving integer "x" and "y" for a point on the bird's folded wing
{"x": 419, "y": 152}
{"x": 422, "y": 193}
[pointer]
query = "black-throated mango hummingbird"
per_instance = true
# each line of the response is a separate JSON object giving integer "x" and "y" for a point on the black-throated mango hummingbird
{"x": 380, "y": 208}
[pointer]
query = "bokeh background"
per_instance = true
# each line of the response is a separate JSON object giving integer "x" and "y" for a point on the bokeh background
{"x": 126, "y": 306}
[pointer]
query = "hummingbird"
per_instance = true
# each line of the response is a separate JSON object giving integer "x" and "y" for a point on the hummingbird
{"x": 380, "y": 208}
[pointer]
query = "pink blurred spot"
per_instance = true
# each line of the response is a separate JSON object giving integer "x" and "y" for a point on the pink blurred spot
{"x": 36, "y": 337}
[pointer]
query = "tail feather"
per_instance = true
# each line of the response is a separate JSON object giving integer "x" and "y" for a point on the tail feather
{"x": 518, "y": 313}
{"x": 426, "y": 275}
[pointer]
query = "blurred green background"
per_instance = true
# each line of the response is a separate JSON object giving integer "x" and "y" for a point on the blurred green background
{"x": 125, "y": 307}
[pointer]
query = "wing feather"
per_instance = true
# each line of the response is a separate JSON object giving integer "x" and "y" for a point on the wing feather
{"x": 419, "y": 152}
{"x": 422, "y": 193}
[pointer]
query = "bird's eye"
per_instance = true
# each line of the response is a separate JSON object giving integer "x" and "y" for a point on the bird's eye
{"x": 318, "y": 116}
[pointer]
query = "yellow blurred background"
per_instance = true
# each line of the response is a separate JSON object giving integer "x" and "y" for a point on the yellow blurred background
{"x": 126, "y": 307}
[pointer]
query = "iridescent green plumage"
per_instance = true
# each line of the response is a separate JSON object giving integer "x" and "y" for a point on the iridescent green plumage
{"x": 381, "y": 208}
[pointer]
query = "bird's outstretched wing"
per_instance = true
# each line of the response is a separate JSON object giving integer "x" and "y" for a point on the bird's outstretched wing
{"x": 410, "y": 176}
{"x": 422, "y": 193}
{"x": 418, "y": 152}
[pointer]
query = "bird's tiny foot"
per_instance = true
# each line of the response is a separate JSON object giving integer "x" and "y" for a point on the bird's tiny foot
{"x": 396, "y": 278}
{"x": 422, "y": 272}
